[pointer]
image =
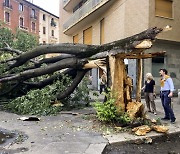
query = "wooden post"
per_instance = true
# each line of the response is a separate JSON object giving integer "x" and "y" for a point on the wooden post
{"x": 139, "y": 80}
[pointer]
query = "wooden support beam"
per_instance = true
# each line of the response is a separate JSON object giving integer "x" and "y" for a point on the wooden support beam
{"x": 140, "y": 56}
{"x": 139, "y": 80}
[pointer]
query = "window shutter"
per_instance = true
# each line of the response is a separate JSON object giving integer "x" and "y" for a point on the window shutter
{"x": 76, "y": 39}
{"x": 102, "y": 31}
{"x": 164, "y": 8}
{"x": 87, "y": 36}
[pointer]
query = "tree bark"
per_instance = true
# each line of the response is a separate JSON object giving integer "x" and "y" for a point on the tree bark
{"x": 72, "y": 87}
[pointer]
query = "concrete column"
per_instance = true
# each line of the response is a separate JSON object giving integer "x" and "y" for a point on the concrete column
{"x": 178, "y": 96}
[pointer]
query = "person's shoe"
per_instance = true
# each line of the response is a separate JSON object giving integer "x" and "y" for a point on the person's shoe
{"x": 173, "y": 121}
{"x": 165, "y": 118}
{"x": 155, "y": 113}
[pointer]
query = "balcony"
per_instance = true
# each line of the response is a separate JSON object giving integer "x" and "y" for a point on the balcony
{"x": 53, "y": 38}
{"x": 23, "y": 28}
{"x": 87, "y": 13}
{"x": 33, "y": 17}
{"x": 69, "y": 4}
{"x": 53, "y": 23}
{"x": 7, "y": 6}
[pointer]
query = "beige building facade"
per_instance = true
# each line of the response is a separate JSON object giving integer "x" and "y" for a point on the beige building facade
{"x": 48, "y": 28}
{"x": 104, "y": 21}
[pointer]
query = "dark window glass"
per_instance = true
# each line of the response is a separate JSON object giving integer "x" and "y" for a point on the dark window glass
{"x": 44, "y": 17}
{"x": 7, "y": 17}
{"x": 33, "y": 26}
{"x": 44, "y": 30}
{"x": 21, "y": 22}
{"x": 21, "y": 7}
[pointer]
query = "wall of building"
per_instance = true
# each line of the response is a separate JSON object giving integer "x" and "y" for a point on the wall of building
{"x": 48, "y": 38}
{"x": 15, "y": 15}
{"x": 125, "y": 18}
{"x": 136, "y": 17}
{"x": 172, "y": 62}
{"x": 162, "y": 21}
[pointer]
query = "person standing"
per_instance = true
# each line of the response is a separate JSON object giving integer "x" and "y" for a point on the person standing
{"x": 102, "y": 83}
{"x": 166, "y": 93}
{"x": 149, "y": 93}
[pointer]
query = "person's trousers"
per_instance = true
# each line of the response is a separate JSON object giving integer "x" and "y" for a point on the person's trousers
{"x": 102, "y": 88}
{"x": 149, "y": 98}
{"x": 166, "y": 103}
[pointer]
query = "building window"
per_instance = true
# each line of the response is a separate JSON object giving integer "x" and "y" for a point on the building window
{"x": 76, "y": 39}
{"x": 33, "y": 26}
{"x": 21, "y": 7}
{"x": 44, "y": 30}
{"x": 21, "y": 22}
{"x": 87, "y": 36}
{"x": 157, "y": 63}
{"x": 79, "y": 5}
{"x": 7, "y": 17}
{"x": 163, "y": 8}
{"x": 102, "y": 31}
{"x": 7, "y": 3}
{"x": 44, "y": 17}
{"x": 52, "y": 33}
{"x": 33, "y": 13}
{"x": 53, "y": 23}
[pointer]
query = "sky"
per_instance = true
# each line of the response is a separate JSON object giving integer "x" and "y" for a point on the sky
{"x": 51, "y": 6}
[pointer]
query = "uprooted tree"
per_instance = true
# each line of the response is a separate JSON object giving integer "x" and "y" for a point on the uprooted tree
{"x": 76, "y": 60}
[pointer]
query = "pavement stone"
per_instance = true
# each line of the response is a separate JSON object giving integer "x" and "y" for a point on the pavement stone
{"x": 69, "y": 133}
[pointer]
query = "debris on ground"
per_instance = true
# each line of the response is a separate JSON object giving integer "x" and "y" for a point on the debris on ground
{"x": 29, "y": 119}
{"x": 135, "y": 109}
{"x": 141, "y": 130}
{"x": 160, "y": 128}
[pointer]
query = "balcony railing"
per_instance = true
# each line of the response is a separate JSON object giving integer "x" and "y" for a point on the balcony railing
{"x": 53, "y": 24}
{"x": 65, "y": 1}
{"x": 7, "y": 5}
{"x": 53, "y": 38}
{"x": 23, "y": 28}
{"x": 33, "y": 16}
{"x": 81, "y": 13}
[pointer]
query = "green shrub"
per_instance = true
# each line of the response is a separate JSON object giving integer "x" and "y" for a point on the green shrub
{"x": 38, "y": 102}
{"x": 107, "y": 111}
{"x": 80, "y": 97}
{"x": 35, "y": 102}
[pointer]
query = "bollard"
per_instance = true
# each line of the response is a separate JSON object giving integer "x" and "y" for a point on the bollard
{"x": 178, "y": 96}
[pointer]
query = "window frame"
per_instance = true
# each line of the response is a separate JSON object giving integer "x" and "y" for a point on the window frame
{"x": 157, "y": 14}
{"x": 33, "y": 26}
{"x": 44, "y": 17}
{"x": 52, "y": 33}
{"x": 44, "y": 30}
{"x": 21, "y": 7}
{"x": 158, "y": 65}
{"x": 5, "y": 17}
{"x": 21, "y": 20}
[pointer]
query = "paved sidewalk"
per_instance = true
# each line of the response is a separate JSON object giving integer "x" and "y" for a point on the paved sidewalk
{"x": 70, "y": 132}
{"x": 173, "y": 128}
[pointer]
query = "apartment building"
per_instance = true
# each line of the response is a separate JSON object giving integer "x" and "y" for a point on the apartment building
{"x": 49, "y": 27}
{"x": 104, "y": 21}
{"x": 21, "y": 14}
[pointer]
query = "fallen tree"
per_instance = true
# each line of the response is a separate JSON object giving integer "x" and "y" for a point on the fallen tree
{"x": 75, "y": 60}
